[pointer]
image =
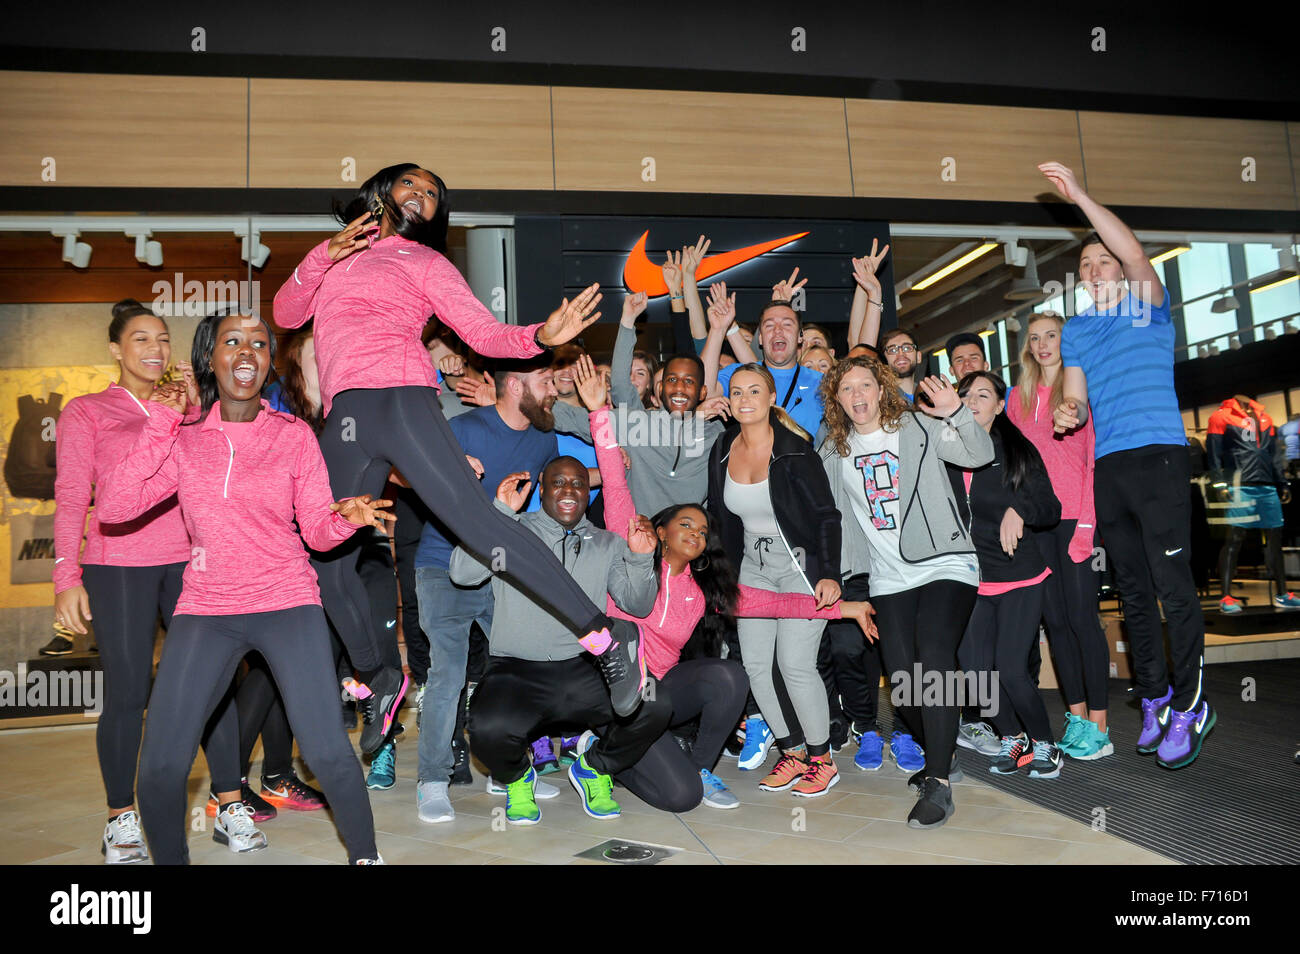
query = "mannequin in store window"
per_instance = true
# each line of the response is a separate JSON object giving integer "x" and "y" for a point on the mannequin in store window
{"x": 1245, "y": 451}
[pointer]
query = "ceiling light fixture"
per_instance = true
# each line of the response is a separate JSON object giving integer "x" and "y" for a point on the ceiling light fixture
{"x": 955, "y": 265}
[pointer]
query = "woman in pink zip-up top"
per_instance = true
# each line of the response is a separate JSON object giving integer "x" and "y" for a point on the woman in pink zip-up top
{"x": 129, "y": 573}
{"x": 244, "y": 474}
{"x": 697, "y": 585}
{"x": 1070, "y": 600}
{"x": 371, "y": 290}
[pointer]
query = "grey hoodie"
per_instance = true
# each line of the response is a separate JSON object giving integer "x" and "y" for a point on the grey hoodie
{"x": 931, "y": 524}
{"x": 599, "y": 560}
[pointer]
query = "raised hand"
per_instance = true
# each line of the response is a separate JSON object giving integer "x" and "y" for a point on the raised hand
{"x": 865, "y": 270}
{"x": 482, "y": 393}
{"x": 452, "y": 366}
{"x": 364, "y": 512}
{"x": 1065, "y": 417}
{"x": 673, "y": 273}
{"x": 170, "y": 395}
{"x": 1063, "y": 178}
{"x": 633, "y": 305}
{"x": 692, "y": 255}
{"x": 861, "y": 613}
{"x": 592, "y": 388}
{"x": 641, "y": 536}
{"x": 709, "y": 408}
{"x": 943, "y": 397}
{"x": 786, "y": 290}
{"x": 722, "y": 309}
{"x": 510, "y": 493}
{"x": 190, "y": 383}
{"x": 571, "y": 318}
{"x": 353, "y": 238}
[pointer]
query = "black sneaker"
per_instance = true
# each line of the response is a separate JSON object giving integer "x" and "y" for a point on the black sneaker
{"x": 60, "y": 645}
{"x": 1014, "y": 755}
{"x": 839, "y": 735}
{"x": 933, "y": 808}
{"x": 734, "y": 744}
{"x": 916, "y": 784}
{"x": 1047, "y": 761}
{"x": 378, "y": 705}
{"x": 622, "y": 666}
{"x": 460, "y": 773}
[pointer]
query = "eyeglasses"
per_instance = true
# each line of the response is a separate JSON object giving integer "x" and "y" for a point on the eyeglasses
{"x": 900, "y": 349}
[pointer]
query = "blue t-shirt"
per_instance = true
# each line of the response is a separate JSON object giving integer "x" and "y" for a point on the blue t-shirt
{"x": 569, "y": 446}
{"x": 502, "y": 450}
{"x": 1127, "y": 354}
{"x": 805, "y": 403}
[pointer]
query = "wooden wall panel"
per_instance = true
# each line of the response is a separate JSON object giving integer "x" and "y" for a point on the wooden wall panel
{"x": 112, "y": 130}
{"x": 701, "y": 142}
{"x": 1137, "y": 159}
{"x": 900, "y": 148}
{"x": 1293, "y": 137}
{"x": 474, "y": 136}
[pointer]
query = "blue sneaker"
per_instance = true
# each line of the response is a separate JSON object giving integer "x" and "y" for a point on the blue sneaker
{"x": 716, "y": 793}
{"x": 1187, "y": 730}
{"x": 1076, "y": 732}
{"x": 383, "y": 767}
{"x": 871, "y": 752}
{"x": 758, "y": 742}
{"x": 908, "y": 756}
{"x": 1287, "y": 601}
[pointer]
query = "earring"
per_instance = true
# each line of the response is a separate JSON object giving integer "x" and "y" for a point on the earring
{"x": 706, "y": 565}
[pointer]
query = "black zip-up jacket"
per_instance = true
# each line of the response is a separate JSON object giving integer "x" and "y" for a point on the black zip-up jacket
{"x": 988, "y": 501}
{"x": 801, "y": 500}
{"x": 1248, "y": 451}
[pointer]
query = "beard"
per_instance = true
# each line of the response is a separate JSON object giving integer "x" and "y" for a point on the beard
{"x": 538, "y": 412}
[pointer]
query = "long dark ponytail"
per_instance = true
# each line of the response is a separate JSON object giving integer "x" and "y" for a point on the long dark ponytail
{"x": 1018, "y": 454}
{"x": 377, "y": 190}
{"x": 205, "y": 341}
{"x": 716, "y": 577}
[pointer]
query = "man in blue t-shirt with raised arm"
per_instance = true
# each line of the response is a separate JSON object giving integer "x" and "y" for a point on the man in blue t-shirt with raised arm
{"x": 1119, "y": 356}
{"x": 514, "y": 434}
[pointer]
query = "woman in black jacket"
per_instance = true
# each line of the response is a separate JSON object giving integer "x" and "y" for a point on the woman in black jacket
{"x": 770, "y": 501}
{"x": 999, "y": 500}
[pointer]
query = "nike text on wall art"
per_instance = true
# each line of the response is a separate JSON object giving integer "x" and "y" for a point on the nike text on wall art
{"x": 642, "y": 275}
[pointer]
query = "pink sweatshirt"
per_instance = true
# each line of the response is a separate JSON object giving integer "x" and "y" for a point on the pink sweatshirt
{"x": 95, "y": 432}
{"x": 1069, "y": 461}
{"x": 680, "y": 604}
{"x": 241, "y": 486}
{"x": 372, "y": 306}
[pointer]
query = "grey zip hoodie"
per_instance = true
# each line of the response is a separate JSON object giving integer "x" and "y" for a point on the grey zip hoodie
{"x": 931, "y": 524}
{"x": 599, "y": 560}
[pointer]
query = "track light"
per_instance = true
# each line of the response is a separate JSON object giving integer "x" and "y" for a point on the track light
{"x": 1225, "y": 304}
{"x": 259, "y": 253}
{"x": 1270, "y": 333}
{"x": 1202, "y": 351}
{"x": 147, "y": 252}
{"x": 77, "y": 253}
{"x": 1234, "y": 343}
{"x": 1026, "y": 286}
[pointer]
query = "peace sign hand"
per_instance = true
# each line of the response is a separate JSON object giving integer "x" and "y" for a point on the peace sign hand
{"x": 786, "y": 290}
{"x": 865, "y": 270}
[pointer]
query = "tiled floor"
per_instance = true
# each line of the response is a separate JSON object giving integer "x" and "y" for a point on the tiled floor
{"x": 51, "y": 812}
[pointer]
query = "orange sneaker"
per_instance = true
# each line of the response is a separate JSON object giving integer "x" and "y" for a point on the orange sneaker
{"x": 788, "y": 770}
{"x": 819, "y": 779}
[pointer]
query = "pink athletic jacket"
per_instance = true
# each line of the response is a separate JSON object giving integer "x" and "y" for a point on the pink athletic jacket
{"x": 241, "y": 486}
{"x": 1069, "y": 461}
{"x": 371, "y": 307}
{"x": 95, "y": 432}
{"x": 680, "y": 603}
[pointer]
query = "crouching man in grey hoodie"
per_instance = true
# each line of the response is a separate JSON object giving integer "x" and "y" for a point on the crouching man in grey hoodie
{"x": 538, "y": 678}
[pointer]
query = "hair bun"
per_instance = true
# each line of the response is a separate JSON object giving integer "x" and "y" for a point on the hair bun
{"x": 129, "y": 308}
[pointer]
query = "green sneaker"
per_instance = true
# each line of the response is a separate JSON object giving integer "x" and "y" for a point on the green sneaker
{"x": 595, "y": 789}
{"x": 1095, "y": 744}
{"x": 521, "y": 805}
{"x": 1076, "y": 731}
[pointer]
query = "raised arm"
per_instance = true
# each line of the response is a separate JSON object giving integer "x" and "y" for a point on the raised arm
{"x": 1118, "y": 237}
{"x": 959, "y": 439}
{"x": 295, "y": 302}
{"x": 620, "y": 365}
{"x": 722, "y": 317}
{"x": 692, "y": 255}
{"x": 868, "y": 298}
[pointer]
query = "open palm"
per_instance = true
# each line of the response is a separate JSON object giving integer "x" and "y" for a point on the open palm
{"x": 571, "y": 318}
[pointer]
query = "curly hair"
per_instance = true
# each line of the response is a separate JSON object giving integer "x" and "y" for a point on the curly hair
{"x": 892, "y": 403}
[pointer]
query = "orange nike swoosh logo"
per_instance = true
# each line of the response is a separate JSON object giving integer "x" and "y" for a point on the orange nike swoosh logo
{"x": 642, "y": 275}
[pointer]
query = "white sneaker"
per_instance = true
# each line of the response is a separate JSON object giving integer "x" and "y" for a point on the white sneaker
{"x": 123, "y": 842}
{"x": 540, "y": 790}
{"x": 433, "y": 805}
{"x": 978, "y": 737}
{"x": 235, "y": 830}
{"x": 377, "y": 860}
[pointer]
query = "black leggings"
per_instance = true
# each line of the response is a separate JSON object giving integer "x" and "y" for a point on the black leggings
{"x": 411, "y": 515}
{"x": 125, "y": 602}
{"x": 1272, "y": 557}
{"x": 925, "y": 625}
{"x": 261, "y": 712}
{"x": 850, "y": 666}
{"x": 1070, "y": 611}
{"x": 200, "y": 657}
{"x": 711, "y": 690}
{"x": 998, "y": 637}
{"x": 370, "y": 431}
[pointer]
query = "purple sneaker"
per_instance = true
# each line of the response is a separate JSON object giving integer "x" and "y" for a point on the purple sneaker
{"x": 1187, "y": 730}
{"x": 1155, "y": 718}
{"x": 544, "y": 759}
{"x": 569, "y": 749}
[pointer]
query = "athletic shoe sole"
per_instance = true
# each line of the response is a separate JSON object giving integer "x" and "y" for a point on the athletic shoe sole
{"x": 1056, "y": 771}
{"x": 524, "y": 822}
{"x": 764, "y": 787}
{"x": 380, "y": 786}
{"x": 281, "y": 801}
{"x": 913, "y": 823}
{"x": 116, "y": 860}
{"x": 724, "y": 807}
{"x": 1101, "y": 753}
{"x": 372, "y": 742}
{"x": 1190, "y": 757}
{"x": 868, "y": 768}
{"x": 221, "y": 838}
{"x": 764, "y": 751}
{"x": 436, "y": 821}
{"x": 835, "y": 780}
{"x": 550, "y": 791}
{"x": 906, "y": 771}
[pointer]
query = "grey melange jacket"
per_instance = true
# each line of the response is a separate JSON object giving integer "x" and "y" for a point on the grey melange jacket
{"x": 931, "y": 524}
{"x": 601, "y": 563}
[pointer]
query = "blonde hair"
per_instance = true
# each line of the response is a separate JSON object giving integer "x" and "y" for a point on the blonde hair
{"x": 778, "y": 413}
{"x": 1031, "y": 372}
{"x": 892, "y": 403}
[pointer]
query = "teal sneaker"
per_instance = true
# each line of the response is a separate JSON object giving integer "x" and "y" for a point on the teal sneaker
{"x": 1095, "y": 744}
{"x": 596, "y": 789}
{"x": 521, "y": 804}
{"x": 383, "y": 767}
{"x": 1076, "y": 730}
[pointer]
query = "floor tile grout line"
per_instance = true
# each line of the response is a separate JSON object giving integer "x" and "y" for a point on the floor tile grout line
{"x": 687, "y": 826}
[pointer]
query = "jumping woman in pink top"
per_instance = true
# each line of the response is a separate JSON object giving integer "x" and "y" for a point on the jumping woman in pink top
{"x": 250, "y": 480}
{"x": 371, "y": 289}
{"x": 129, "y": 573}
